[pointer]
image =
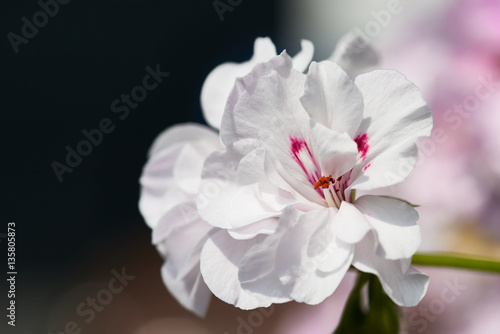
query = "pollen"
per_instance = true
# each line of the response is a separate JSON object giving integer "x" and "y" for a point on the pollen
{"x": 323, "y": 182}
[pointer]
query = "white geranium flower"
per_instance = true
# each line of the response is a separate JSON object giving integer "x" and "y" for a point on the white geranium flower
{"x": 172, "y": 175}
{"x": 297, "y": 146}
{"x": 170, "y": 182}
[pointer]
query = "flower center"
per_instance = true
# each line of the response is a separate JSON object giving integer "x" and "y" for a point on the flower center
{"x": 333, "y": 189}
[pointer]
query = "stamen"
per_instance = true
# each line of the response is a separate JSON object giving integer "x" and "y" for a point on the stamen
{"x": 332, "y": 190}
{"x": 335, "y": 197}
{"x": 323, "y": 182}
{"x": 329, "y": 198}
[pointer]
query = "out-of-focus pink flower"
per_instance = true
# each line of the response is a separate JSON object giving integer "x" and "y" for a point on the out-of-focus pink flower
{"x": 457, "y": 302}
{"x": 475, "y": 24}
{"x": 457, "y": 180}
{"x": 456, "y": 65}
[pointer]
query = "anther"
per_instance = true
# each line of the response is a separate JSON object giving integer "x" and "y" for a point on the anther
{"x": 323, "y": 182}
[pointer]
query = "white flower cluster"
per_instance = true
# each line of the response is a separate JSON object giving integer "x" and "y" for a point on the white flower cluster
{"x": 265, "y": 210}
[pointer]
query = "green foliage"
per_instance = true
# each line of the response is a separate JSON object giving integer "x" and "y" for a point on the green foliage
{"x": 381, "y": 317}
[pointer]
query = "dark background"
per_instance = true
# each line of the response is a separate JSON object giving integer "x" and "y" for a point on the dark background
{"x": 71, "y": 234}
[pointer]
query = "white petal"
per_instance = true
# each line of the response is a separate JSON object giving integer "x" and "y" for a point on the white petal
{"x": 405, "y": 285}
{"x": 263, "y": 50}
{"x": 271, "y": 111}
{"x": 326, "y": 249}
{"x": 180, "y": 236}
{"x": 187, "y": 132}
{"x": 172, "y": 173}
{"x": 231, "y": 194}
{"x": 349, "y": 224}
{"x": 395, "y": 226}
{"x": 301, "y": 272}
{"x": 302, "y": 59}
{"x": 220, "y": 81}
{"x": 275, "y": 198}
{"x": 257, "y": 269}
{"x": 314, "y": 287}
{"x": 336, "y": 152}
{"x": 232, "y": 206}
{"x": 159, "y": 192}
{"x": 256, "y": 93}
{"x": 395, "y": 117}
{"x": 187, "y": 169}
{"x": 265, "y": 226}
{"x": 332, "y": 98}
{"x": 220, "y": 261}
{"x": 176, "y": 218}
{"x": 191, "y": 291}
{"x": 354, "y": 54}
{"x": 182, "y": 247}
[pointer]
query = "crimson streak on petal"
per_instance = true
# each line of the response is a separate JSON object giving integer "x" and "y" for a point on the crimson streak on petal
{"x": 362, "y": 142}
{"x": 303, "y": 156}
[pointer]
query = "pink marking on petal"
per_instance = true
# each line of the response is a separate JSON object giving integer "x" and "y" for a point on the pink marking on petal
{"x": 297, "y": 145}
{"x": 362, "y": 142}
{"x": 366, "y": 167}
{"x": 297, "y": 148}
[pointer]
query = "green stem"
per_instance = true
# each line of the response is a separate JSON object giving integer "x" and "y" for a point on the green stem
{"x": 456, "y": 260}
{"x": 352, "y": 316}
